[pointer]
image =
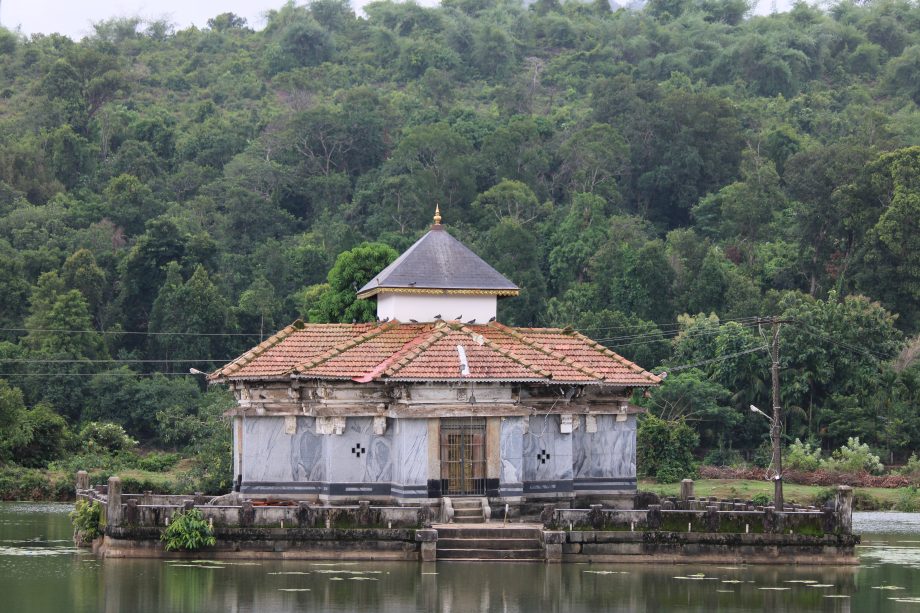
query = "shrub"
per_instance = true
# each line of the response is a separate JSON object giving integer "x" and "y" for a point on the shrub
{"x": 188, "y": 531}
{"x": 105, "y": 436}
{"x": 761, "y": 499}
{"x": 907, "y": 501}
{"x": 802, "y": 456}
{"x": 665, "y": 449}
{"x": 157, "y": 462}
{"x": 86, "y": 519}
{"x": 722, "y": 456}
{"x": 854, "y": 457}
{"x": 912, "y": 468}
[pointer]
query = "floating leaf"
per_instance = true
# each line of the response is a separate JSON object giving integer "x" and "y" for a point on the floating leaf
{"x": 775, "y": 589}
{"x": 293, "y": 589}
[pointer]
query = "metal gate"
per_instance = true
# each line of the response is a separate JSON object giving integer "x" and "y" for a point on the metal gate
{"x": 463, "y": 456}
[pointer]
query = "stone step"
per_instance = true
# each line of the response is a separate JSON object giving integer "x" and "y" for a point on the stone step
{"x": 472, "y": 519}
{"x": 490, "y": 554}
{"x": 466, "y": 504}
{"x": 491, "y": 543}
{"x": 467, "y": 512}
{"x": 464, "y": 532}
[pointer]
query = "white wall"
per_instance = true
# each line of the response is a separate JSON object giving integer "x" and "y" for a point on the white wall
{"x": 422, "y": 307}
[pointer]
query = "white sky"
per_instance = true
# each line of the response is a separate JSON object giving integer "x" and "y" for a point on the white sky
{"x": 75, "y": 17}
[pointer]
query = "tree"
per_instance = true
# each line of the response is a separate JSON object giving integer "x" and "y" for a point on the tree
{"x": 352, "y": 269}
{"x": 511, "y": 200}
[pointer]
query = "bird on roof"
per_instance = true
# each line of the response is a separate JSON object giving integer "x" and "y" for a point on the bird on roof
{"x": 385, "y": 319}
{"x": 472, "y": 321}
{"x": 459, "y": 317}
{"x": 415, "y": 321}
{"x": 438, "y": 316}
{"x": 491, "y": 319}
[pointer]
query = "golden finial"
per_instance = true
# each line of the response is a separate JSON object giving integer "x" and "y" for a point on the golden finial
{"x": 437, "y": 215}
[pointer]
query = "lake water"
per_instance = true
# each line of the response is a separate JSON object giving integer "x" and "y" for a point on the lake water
{"x": 41, "y": 571}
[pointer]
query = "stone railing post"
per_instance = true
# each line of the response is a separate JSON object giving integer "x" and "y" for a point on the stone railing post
{"x": 428, "y": 541}
{"x": 653, "y": 517}
{"x": 686, "y": 489}
{"x": 247, "y": 514}
{"x": 82, "y": 480}
{"x": 113, "y": 512}
{"x": 552, "y": 545}
{"x": 712, "y": 518}
{"x": 844, "y": 508}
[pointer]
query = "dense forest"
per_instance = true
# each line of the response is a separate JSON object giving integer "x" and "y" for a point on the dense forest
{"x": 656, "y": 179}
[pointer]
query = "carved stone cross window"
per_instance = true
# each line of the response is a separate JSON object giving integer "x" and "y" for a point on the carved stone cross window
{"x": 358, "y": 450}
{"x": 543, "y": 456}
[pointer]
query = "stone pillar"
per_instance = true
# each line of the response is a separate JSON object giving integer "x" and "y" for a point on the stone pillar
{"x": 552, "y": 545}
{"x": 712, "y": 518}
{"x": 113, "y": 512}
{"x": 428, "y": 541}
{"x": 844, "y": 507}
{"x": 653, "y": 518}
{"x": 131, "y": 512}
{"x": 686, "y": 489}
{"x": 247, "y": 514}
{"x": 82, "y": 480}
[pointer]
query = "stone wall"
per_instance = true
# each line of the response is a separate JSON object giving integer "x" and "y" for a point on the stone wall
{"x": 345, "y": 461}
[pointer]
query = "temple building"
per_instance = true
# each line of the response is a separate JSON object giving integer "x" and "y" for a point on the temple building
{"x": 437, "y": 398}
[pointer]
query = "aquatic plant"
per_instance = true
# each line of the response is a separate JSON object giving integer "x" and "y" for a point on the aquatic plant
{"x": 86, "y": 519}
{"x": 188, "y": 531}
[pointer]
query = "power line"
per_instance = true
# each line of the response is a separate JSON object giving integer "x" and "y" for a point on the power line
{"x": 40, "y": 361}
{"x": 95, "y": 374}
{"x": 119, "y": 332}
{"x": 675, "y": 324}
{"x": 810, "y": 330}
{"x": 718, "y": 359}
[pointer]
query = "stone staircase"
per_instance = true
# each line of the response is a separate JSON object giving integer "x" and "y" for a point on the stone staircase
{"x": 467, "y": 510}
{"x": 481, "y": 543}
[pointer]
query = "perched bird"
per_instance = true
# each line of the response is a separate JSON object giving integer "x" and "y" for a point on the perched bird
{"x": 491, "y": 319}
{"x": 385, "y": 319}
{"x": 459, "y": 317}
{"x": 438, "y": 316}
{"x": 415, "y": 321}
{"x": 472, "y": 321}
{"x": 412, "y": 284}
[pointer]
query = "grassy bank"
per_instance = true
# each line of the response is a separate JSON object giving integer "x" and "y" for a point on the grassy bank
{"x": 18, "y": 483}
{"x": 866, "y": 498}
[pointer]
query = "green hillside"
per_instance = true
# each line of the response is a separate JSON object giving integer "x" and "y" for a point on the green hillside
{"x": 656, "y": 179}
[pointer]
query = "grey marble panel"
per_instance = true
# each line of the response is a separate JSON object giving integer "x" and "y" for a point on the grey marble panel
{"x": 266, "y": 450}
{"x": 358, "y": 455}
{"x": 511, "y": 450}
{"x": 547, "y": 452}
{"x": 308, "y": 457}
{"x": 609, "y": 452}
{"x": 410, "y": 449}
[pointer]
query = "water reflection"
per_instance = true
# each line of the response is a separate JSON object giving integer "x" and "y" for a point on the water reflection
{"x": 40, "y": 571}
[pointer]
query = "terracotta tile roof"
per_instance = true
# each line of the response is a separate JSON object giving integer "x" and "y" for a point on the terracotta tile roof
{"x": 428, "y": 352}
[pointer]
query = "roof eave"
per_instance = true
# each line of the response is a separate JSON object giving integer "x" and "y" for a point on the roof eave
{"x": 439, "y": 291}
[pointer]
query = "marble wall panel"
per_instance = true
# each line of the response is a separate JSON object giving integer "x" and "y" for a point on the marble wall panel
{"x": 609, "y": 452}
{"x": 410, "y": 448}
{"x": 358, "y": 455}
{"x": 511, "y": 446}
{"x": 266, "y": 450}
{"x": 547, "y": 453}
{"x": 308, "y": 455}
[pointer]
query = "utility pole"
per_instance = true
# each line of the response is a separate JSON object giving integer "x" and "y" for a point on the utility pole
{"x": 777, "y": 421}
{"x": 777, "y": 424}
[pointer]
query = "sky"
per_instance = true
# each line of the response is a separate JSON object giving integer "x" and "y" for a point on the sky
{"x": 74, "y": 18}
